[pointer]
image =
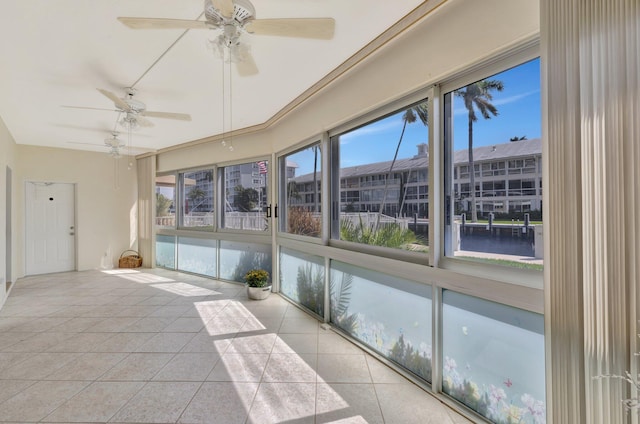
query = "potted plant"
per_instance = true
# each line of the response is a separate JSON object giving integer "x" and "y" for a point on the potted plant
{"x": 257, "y": 282}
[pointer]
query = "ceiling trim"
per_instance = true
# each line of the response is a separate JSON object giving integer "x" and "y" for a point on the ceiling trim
{"x": 417, "y": 14}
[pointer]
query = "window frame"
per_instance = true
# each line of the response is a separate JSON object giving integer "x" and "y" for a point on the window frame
{"x": 419, "y": 96}
{"x": 157, "y": 227}
{"x": 222, "y": 196}
{"x": 518, "y": 277}
{"x": 320, "y": 141}
{"x": 180, "y": 194}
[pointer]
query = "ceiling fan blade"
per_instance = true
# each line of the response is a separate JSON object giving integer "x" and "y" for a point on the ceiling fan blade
{"x": 320, "y": 28}
{"x": 115, "y": 99}
{"x": 89, "y": 108}
{"x": 224, "y": 6}
{"x": 162, "y": 23}
{"x": 247, "y": 66}
{"x": 167, "y": 115}
{"x": 143, "y": 122}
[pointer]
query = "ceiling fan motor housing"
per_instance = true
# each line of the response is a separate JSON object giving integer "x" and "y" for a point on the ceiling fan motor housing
{"x": 243, "y": 11}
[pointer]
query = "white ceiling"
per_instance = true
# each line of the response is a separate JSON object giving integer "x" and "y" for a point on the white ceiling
{"x": 57, "y": 52}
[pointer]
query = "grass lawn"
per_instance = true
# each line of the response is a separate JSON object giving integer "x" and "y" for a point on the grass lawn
{"x": 505, "y": 262}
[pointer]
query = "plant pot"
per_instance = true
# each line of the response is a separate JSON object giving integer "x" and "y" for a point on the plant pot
{"x": 258, "y": 293}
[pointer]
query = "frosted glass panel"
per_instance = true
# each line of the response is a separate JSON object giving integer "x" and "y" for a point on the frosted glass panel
{"x": 166, "y": 251}
{"x": 494, "y": 358}
{"x": 302, "y": 279}
{"x": 197, "y": 255}
{"x": 390, "y": 314}
{"x": 237, "y": 258}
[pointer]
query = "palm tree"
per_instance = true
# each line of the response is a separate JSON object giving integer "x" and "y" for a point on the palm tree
{"x": 411, "y": 115}
{"x": 477, "y": 95}
{"x": 196, "y": 195}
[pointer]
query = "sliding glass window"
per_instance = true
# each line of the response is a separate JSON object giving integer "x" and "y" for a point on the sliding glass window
{"x": 245, "y": 201}
{"x": 197, "y": 200}
{"x": 300, "y": 192}
{"x": 380, "y": 182}
{"x": 166, "y": 201}
{"x": 494, "y": 169}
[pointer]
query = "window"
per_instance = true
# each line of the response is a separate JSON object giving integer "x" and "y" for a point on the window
{"x": 245, "y": 202}
{"x": 302, "y": 279}
{"x": 381, "y": 168}
{"x": 300, "y": 188}
{"x": 485, "y": 114}
{"x": 196, "y": 191}
{"x": 165, "y": 201}
{"x": 366, "y": 305}
{"x": 493, "y": 358}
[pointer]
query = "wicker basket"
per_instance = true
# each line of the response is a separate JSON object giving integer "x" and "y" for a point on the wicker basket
{"x": 131, "y": 260}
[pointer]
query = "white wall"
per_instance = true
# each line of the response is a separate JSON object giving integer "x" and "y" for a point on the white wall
{"x": 7, "y": 158}
{"x": 106, "y": 210}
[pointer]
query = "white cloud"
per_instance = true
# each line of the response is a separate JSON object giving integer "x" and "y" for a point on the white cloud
{"x": 500, "y": 102}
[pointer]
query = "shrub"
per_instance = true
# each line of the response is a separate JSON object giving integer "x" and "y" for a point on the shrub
{"x": 257, "y": 278}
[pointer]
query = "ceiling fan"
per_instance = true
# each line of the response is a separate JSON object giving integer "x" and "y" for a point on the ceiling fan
{"x": 115, "y": 146}
{"x": 235, "y": 17}
{"x": 135, "y": 112}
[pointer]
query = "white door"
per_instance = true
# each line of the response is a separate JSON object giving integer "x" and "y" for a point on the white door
{"x": 50, "y": 227}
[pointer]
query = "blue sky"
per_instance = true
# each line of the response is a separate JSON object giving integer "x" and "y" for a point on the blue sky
{"x": 518, "y": 115}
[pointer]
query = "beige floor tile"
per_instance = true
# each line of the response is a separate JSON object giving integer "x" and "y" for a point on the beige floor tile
{"x": 40, "y": 325}
{"x": 346, "y": 403}
{"x": 137, "y": 310}
{"x": 170, "y": 311}
{"x": 185, "y": 324}
{"x": 138, "y": 367}
{"x": 261, "y": 325}
{"x": 33, "y": 342}
{"x": 76, "y": 325}
{"x": 203, "y": 342}
{"x": 39, "y": 400}
{"x": 38, "y": 366}
{"x": 157, "y": 402}
{"x": 156, "y": 300}
{"x": 246, "y": 343}
{"x": 149, "y": 325}
{"x": 123, "y": 342}
{"x": 245, "y": 367}
{"x": 80, "y": 342}
{"x": 112, "y": 325}
{"x": 296, "y": 343}
{"x": 295, "y": 368}
{"x": 188, "y": 367}
{"x": 166, "y": 342}
{"x": 10, "y": 388}
{"x": 381, "y": 373}
{"x": 227, "y": 326}
{"x": 394, "y": 398}
{"x": 89, "y": 366}
{"x": 220, "y": 403}
{"x": 299, "y": 325}
{"x": 96, "y": 403}
{"x": 329, "y": 342}
{"x": 343, "y": 369}
{"x": 284, "y": 402}
{"x": 9, "y": 323}
{"x": 9, "y": 359}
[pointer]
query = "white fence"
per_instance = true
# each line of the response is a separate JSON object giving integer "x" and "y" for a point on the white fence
{"x": 235, "y": 220}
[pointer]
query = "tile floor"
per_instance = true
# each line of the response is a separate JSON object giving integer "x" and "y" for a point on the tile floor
{"x": 157, "y": 346}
